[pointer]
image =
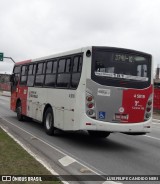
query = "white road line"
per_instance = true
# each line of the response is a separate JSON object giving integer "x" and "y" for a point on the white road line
{"x": 34, "y": 136}
{"x": 152, "y": 137}
{"x": 31, "y": 153}
{"x": 55, "y": 148}
{"x": 66, "y": 161}
{"x": 38, "y": 158}
{"x": 89, "y": 168}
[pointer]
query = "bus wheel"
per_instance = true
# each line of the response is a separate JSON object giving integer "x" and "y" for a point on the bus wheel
{"x": 49, "y": 121}
{"x": 19, "y": 111}
{"x": 98, "y": 134}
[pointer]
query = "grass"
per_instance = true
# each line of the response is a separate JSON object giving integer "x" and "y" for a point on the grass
{"x": 14, "y": 160}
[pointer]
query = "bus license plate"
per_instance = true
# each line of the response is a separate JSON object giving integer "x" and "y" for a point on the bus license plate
{"x": 122, "y": 117}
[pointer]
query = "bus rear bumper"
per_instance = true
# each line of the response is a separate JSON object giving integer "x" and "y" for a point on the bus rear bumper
{"x": 132, "y": 128}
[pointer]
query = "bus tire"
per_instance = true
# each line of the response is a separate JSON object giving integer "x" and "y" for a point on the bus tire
{"x": 49, "y": 121}
{"x": 98, "y": 134}
{"x": 19, "y": 111}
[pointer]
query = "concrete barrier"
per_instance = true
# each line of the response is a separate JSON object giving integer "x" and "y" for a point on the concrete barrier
{"x": 6, "y": 93}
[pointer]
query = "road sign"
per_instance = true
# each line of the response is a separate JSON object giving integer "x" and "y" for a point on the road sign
{"x": 1, "y": 56}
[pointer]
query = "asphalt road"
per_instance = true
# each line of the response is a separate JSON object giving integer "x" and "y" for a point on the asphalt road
{"x": 77, "y": 153}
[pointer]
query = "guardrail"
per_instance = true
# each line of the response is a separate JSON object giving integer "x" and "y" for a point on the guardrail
{"x": 6, "y": 93}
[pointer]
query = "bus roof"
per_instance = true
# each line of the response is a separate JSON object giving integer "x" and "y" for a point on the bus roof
{"x": 80, "y": 50}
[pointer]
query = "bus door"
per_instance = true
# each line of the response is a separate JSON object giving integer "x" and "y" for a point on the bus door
{"x": 14, "y": 90}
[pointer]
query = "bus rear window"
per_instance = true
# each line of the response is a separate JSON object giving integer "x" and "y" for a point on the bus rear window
{"x": 115, "y": 68}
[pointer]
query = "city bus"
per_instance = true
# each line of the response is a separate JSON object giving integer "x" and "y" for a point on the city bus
{"x": 97, "y": 89}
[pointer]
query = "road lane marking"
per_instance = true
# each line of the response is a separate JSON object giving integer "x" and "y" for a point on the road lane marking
{"x": 58, "y": 150}
{"x": 38, "y": 158}
{"x": 33, "y": 136}
{"x": 66, "y": 161}
{"x": 89, "y": 167}
{"x": 152, "y": 137}
{"x": 30, "y": 152}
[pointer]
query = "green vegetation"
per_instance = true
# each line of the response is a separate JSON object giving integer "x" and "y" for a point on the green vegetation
{"x": 16, "y": 161}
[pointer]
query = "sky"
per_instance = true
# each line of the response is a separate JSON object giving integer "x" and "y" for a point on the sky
{"x": 35, "y": 28}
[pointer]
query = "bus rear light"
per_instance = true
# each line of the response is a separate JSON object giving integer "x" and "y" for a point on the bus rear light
{"x": 148, "y": 110}
{"x": 89, "y": 98}
{"x": 149, "y": 102}
{"x": 90, "y": 112}
{"x": 90, "y": 105}
{"x": 148, "y": 115}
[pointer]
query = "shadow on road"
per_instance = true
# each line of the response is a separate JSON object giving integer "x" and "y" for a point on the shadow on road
{"x": 81, "y": 138}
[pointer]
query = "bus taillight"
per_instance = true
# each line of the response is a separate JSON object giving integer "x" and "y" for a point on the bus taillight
{"x": 90, "y": 105}
{"x": 148, "y": 109}
{"x": 89, "y": 98}
{"x": 90, "y": 112}
{"x": 149, "y": 102}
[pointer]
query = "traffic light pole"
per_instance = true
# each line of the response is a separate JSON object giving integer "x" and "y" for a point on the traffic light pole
{"x": 9, "y": 58}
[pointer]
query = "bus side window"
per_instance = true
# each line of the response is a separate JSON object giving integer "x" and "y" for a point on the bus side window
{"x": 51, "y": 69}
{"x": 75, "y": 64}
{"x": 16, "y": 71}
{"x": 24, "y": 73}
{"x": 40, "y": 73}
{"x": 15, "y": 77}
{"x": 31, "y": 74}
{"x": 68, "y": 65}
{"x": 63, "y": 77}
{"x": 76, "y": 73}
{"x": 80, "y": 64}
{"x": 61, "y": 66}
{"x": 55, "y": 64}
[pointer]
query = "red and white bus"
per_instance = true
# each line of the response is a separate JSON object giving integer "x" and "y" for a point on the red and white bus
{"x": 98, "y": 89}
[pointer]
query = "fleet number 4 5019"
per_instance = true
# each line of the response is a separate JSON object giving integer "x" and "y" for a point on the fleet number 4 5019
{"x": 139, "y": 96}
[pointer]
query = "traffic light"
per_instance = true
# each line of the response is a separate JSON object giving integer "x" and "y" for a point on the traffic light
{"x": 1, "y": 56}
